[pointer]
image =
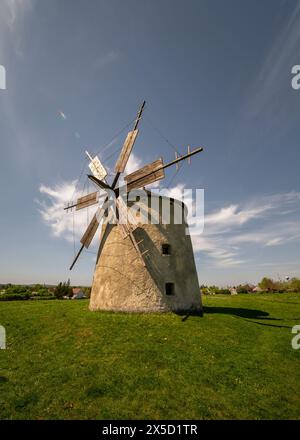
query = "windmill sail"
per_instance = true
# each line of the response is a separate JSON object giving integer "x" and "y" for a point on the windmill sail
{"x": 117, "y": 211}
{"x": 99, "y": 173}
{"x": 90, "y": 232}
{"x": 88, "y": 200}
{"x": 126, "y": 150}
{"x": 96, "y": 167}
{"x": 144, "y": 176}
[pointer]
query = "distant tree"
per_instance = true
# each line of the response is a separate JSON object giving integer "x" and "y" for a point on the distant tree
{"x": 58, "y": 292}
{"x": 17, "y": 290}
{"x": 36, "y": 287}
{"x": 281, "y": 286}
{"x": 224, "y": 292}
{"x": 63, "y": 289}
{"x": 267, "y": 284}
{"x": 214, "y": 289}
{"x": 86, "y": 291}
{"x": 244, "y": 288}
{"x": 294, "y": 285}
{"x": 204, "y": 290}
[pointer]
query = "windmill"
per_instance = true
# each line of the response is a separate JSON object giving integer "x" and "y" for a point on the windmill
{"x": 116, "y": 208}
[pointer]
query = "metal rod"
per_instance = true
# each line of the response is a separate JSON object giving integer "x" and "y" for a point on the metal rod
{"x": 100, "y": 196}
{"x": 70, "y": 207}
{"x": 186, "y": 156}
{"x": 139, "y": 115}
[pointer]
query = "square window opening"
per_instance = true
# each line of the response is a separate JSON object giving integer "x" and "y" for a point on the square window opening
{"x": 166, "y": 249}
{"x": 170, "y": 289}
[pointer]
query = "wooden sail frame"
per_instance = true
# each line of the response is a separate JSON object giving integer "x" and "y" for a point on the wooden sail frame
{"x": 145, "y": 175}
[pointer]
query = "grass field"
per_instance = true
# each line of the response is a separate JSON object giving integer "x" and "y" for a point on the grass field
{"x": 236, "y": 362}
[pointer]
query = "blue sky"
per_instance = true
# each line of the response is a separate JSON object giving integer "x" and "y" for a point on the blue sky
{"x": 214, "y": 73}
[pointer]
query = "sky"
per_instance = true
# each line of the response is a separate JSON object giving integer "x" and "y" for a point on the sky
{"x": 214, "y": 73}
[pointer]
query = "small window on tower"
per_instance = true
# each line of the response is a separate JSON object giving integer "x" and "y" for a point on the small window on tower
{"x": 170, "y": 289}
{"x": 166, "y": 249}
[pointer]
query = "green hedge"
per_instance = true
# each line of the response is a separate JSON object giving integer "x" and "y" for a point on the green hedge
{"x": 26, "y": 296}
{"x": 14, "y": 297}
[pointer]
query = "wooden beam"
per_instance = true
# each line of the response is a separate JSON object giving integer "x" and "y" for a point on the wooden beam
{"x": 137, "y": 181}
{"x": 90, "y": 232}
{"x": 186, "y": 156}
{"x": 88, "y": 200}
{"x": 77, "y": 256}
{"x": 74, "y": 205}
{"x": 125, "y": 216}
{"x": 99, "y": 182}
{"x": 134, "y": 242}
{"x": 126, "y": 150}
{"x": 144, "y": 176}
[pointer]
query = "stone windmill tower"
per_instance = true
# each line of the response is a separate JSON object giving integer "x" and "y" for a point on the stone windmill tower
{"x": 145, "y": 260}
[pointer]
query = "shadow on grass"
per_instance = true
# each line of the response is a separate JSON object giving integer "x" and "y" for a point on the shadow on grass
{"x": 235, "y": 311}
{"x": 248, "y": 314}
{"x": 271, "y": 325}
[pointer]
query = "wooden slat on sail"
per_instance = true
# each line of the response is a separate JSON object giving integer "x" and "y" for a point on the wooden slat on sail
{"x": 97, "y": 168}
{"x": 88, "y": 200}
{"x": 92, "y": 227}
{"x": 126, "y": 150}
{"x": 90, "y": 232}
{"x": 144, "y": 176}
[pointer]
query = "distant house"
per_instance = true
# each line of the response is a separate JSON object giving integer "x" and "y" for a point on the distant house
{"x": 77, "y": 293}
{"x": 233, "y": 291}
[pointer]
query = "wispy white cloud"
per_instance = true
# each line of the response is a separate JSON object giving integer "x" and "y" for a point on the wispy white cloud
{"x": 265, "y": 103}
{"x": 13, "y": 11}
{"x": 67, "y": 225}
{"x": 280, "y": 55}
{"x": 13, "y": 14}
{"x": 64, "y": 224}
{"x": 278, "y": 233}
{"x": 133, "y": 164}
{"x": 276, "y": 67}
{"x": 265, "y": 221}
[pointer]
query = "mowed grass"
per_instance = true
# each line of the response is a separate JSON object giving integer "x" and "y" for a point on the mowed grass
{"x": 236, "y": 362}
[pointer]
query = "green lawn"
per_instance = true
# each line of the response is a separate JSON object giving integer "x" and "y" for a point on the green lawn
{"x": 64, "y": 362}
